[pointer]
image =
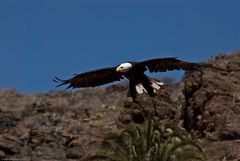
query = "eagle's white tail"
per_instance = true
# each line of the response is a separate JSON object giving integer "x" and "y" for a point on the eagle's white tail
{"x": 155, "y": 84}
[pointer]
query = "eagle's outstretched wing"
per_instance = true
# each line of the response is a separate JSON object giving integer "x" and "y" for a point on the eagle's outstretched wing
{"x": 91, "y": 78}
{"x": 167, "y": 64}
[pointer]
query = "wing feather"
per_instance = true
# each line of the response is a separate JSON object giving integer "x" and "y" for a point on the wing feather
{"x": 91, "y": 78}
{"x": 168, "y": 64}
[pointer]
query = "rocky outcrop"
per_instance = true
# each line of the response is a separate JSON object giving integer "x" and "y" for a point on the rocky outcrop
{"x": 213, "y": 99}
{"x": 212, "y": 106}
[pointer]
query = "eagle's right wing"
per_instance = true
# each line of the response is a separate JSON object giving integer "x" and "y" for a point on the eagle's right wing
{"x": 167, "y": 64}
{"x": 91, "y": 78}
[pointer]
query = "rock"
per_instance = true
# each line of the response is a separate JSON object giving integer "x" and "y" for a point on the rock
{"x": 125, "y": 118}
{"x": 2, "y": 154}
{"x": 222, "y": 150}
{"x": 138, "y": 116}
{"x": 8, "y": 145}
{"x": 7, "y": 121}
{"x": 209, "y": 95}
{"x": 74, "y": 153}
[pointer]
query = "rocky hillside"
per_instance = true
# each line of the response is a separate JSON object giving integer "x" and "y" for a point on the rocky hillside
{"x": 64, "y": 125}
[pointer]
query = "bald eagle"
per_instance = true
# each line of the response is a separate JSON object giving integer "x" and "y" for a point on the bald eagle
{"x": 133, "y": 71}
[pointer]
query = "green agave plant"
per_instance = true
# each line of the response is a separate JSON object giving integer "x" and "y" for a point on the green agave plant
{"x": 149, "y": 142}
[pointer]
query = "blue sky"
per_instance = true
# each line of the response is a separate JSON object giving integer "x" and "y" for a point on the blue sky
{"x": 41, "y": 39}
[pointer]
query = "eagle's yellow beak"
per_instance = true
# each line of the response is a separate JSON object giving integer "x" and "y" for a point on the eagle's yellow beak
{"x": 118, "y": 69}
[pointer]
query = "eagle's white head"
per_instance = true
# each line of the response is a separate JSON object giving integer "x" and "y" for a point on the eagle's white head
{"x": 124, "y": 67}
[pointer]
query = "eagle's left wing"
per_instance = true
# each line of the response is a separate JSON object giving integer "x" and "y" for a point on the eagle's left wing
{"x": 167, "y": 64}
{"x": 92, "y": 78}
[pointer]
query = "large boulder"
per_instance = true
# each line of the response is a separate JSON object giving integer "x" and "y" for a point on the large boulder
{"x": 212, "y": 106}
{"x": 212, "y": 99}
